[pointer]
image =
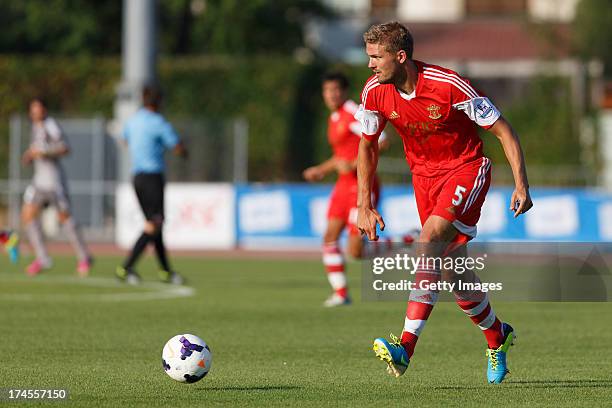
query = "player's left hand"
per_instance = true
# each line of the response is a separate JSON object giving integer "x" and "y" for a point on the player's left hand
{"x": 367, "y": 218}
{"x": 520, "y": 202}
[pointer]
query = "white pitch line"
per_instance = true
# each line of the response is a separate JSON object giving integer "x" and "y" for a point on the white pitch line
{"x": 153, "y": 290}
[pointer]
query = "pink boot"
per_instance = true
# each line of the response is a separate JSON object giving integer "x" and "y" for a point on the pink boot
{"x": 36, "y": 267}
{"x": 83, "y": 267}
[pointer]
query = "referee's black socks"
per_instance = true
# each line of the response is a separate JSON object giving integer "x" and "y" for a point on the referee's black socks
{"x": 160, "y": 250}
{"x": 139, "y": 247}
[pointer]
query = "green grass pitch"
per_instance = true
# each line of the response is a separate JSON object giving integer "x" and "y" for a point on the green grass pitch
{"x": 274, "y": 344}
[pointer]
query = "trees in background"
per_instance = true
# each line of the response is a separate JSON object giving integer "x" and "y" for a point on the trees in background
{"x": 593, "y": 31}
{"x": 67, "y": 27}
{"x": 229, "y": 27}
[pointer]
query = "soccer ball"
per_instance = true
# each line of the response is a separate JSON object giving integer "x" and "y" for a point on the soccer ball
{"x": 186, "y": 358}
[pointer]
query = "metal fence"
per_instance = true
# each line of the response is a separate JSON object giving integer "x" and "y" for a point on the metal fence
{"x": 218, "y": 152}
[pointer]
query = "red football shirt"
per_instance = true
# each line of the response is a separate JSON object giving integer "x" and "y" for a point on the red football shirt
{"x": 436, "y": 122}
{"x": 344, "y": 131}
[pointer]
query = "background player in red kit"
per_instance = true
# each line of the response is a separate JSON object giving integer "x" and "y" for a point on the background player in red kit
{"x": 344, "y": 134}
{"x": 435, "y": 111}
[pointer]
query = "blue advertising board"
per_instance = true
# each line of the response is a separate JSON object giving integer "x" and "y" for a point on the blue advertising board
{"x": 294, "y": 215}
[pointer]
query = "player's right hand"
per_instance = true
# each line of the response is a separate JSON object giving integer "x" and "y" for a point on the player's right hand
{"x": 313, "y": 174}
{"x": 367, "y": 218}
{"x": 181, "y": 150}
{"x": 27, "y": 157}
{"x": 520, "y": 202}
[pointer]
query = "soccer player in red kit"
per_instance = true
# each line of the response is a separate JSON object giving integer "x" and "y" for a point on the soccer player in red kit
{"x": 344, "y": 134}
{"x": 435, "y": 111}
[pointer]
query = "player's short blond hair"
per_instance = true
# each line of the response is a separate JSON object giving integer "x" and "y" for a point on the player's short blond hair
{"x": 393, "y": 36}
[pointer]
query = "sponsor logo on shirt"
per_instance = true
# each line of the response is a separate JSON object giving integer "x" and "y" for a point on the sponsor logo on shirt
{"x": 434, "y": 111}
{"x": 394, "y": 115}
{"x": 422, "y": 129}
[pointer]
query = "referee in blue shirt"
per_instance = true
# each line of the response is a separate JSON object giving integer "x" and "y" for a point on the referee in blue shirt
{"x": 148, "y": 135}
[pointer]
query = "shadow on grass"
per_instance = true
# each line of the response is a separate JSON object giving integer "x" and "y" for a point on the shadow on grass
{"x": 256, "y": 388}
{"x": 587, "y": 383}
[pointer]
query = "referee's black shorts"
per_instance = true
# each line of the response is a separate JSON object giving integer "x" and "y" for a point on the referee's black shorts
{"x": 150, "y": 192}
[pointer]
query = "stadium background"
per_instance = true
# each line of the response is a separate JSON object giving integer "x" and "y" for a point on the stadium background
{"x": 251, "y": 111}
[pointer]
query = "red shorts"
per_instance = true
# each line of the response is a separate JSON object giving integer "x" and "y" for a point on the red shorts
{"x": 457, "y": 196}
{"x": 343, "y": 200}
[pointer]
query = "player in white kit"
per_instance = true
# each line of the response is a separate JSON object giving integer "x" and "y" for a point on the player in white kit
{"x": 48, "y": 187}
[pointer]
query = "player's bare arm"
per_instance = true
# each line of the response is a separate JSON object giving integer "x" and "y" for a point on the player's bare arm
{"x": 181, "y": 150}
{"x": 53, "y": 152}
{"x": 521, "y": 200}
{"x": 316, "y": 173}
{"x": 367, "y": 216}
{"x": 345, "y": 166}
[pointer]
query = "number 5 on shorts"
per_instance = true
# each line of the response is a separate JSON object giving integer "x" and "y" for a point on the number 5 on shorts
{"x": 458, "y": 195}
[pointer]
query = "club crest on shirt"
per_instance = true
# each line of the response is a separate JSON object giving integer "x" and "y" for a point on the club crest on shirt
{"x": 434, "y": 111}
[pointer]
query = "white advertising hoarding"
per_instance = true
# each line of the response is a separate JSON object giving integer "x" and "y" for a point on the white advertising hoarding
{"x": 198, "y": 216}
